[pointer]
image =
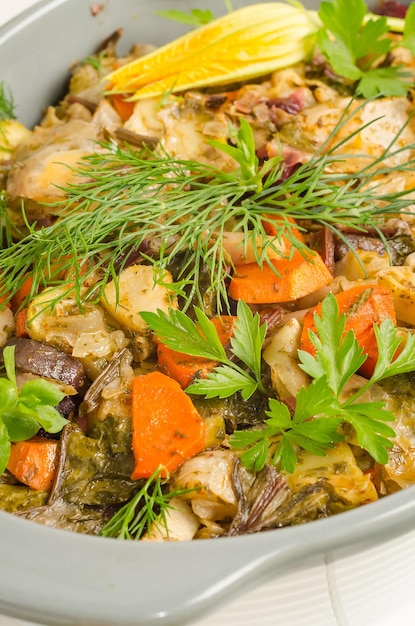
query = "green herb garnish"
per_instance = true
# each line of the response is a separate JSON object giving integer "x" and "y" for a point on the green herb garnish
{"x": 356, "y": 47}
{"x": 123, "y": 199}
{"x": 149, "y": 505}
{"x": 195, "y": 17}
{"x": 178, "y": 332}
{"x": 7, "y": 106}
{"x": 96, "y": 61}
{"x": 321, "y": 407}
{"x": 23, "y": 412}
{"x": 315, "y": 435}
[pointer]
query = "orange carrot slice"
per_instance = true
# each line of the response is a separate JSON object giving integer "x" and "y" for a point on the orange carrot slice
{"x": 167, "y": 429}
{"x": 296, "y": 277}
{"x": 123, "y": 107}
{"x": 33, "y": 462}
{"x": 20, "y": 319}
{"x": 19, "y": 298}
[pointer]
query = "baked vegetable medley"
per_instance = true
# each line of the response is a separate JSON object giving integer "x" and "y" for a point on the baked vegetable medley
{"x": 207, "y": 278}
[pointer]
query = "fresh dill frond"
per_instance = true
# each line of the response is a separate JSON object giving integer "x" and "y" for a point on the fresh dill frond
{"x": 170, "y": 208}
{"x": 96, "y": 61}
{"x": 6, "y": 237}
{"x": 148, "y": 506}
{"x": 7, "y": 106}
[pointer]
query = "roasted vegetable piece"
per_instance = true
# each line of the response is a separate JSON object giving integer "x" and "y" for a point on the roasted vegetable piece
{"x": 136, "y": 290}
{"x": 68, "y": 516}
{"x": 401, "y": 282}
{"x": 209, "y": 476}
{"x": 181, "y": 524}
{"x": 12, "y": 133}
{"x": 42, "y": 359}
{"x": 33, "y": 462}
{"x": 95, "y": 470}
{"x": 289, "y": 280}
{"x": 266, "y": 501}
{"x": 14, "y": 498}
{"x": 167, "y": 429}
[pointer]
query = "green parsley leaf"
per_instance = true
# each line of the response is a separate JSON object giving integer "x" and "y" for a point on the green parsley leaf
{"x": 353, "y": 46}
{"x": 372, "y": 433}
{"x": 4, "y": 446}
{"x": 341, "y": 58}
{"x": 408, "y": 40}
{"x": 388, "y": 340}
{"x": 224, "y": 382}
{"x": 338, "y": 356}
{"x": 178, "y": 332}
{"x": 343, "y": 20}
{"x": 23, "y": 412}
{"x": 248, "y": 339}
{"x": 195, "y": 17}
{"x": 390, "y": 81}
{"x": 256, "y": 456}
{"x": 313, "y": 427}
{"x": 321, "y": 408}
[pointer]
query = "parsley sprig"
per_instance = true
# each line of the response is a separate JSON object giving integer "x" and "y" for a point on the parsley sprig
{"x": 195, "y": 17}
{"x": 23, "y": 412}
{"x": 356, "y": 47}
{"x": 315, "y": 435}
{"x": 178, "y": 332}
{"x": 322, "y": 407}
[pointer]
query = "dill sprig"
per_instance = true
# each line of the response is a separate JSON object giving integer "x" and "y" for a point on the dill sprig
{"x": 148, "y": 506}
{"x": 165, "y": 207}
{"x": 7, "y": 106}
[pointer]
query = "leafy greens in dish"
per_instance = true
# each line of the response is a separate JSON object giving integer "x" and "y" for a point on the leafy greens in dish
{"x": 207, "y": 279}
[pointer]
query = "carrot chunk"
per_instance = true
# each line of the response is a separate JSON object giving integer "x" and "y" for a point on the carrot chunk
{"x": 20, "y": 320}
{"x": 167, "y": 429}
{"x": 123, "y": 107}
{"x": 33, "y": 462}
{"x": 19, "y": 298}
{"x": 364, "y": 306}
{"x": 184, "y": 368}
{"x": 297, "y": 277}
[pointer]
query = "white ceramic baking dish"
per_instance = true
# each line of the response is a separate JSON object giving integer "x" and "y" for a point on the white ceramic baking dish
{"x": 58, "y": 578}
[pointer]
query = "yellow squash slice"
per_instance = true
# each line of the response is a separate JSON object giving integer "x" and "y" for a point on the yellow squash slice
{"x": 252, "y": 41}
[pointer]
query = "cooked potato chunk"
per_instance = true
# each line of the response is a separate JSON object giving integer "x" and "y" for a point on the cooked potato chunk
{"x": 136, "y": 291}
{"x": 181, "y": 524}
{"x": 12, "y": 133}
{"x": 401, "y": 281}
